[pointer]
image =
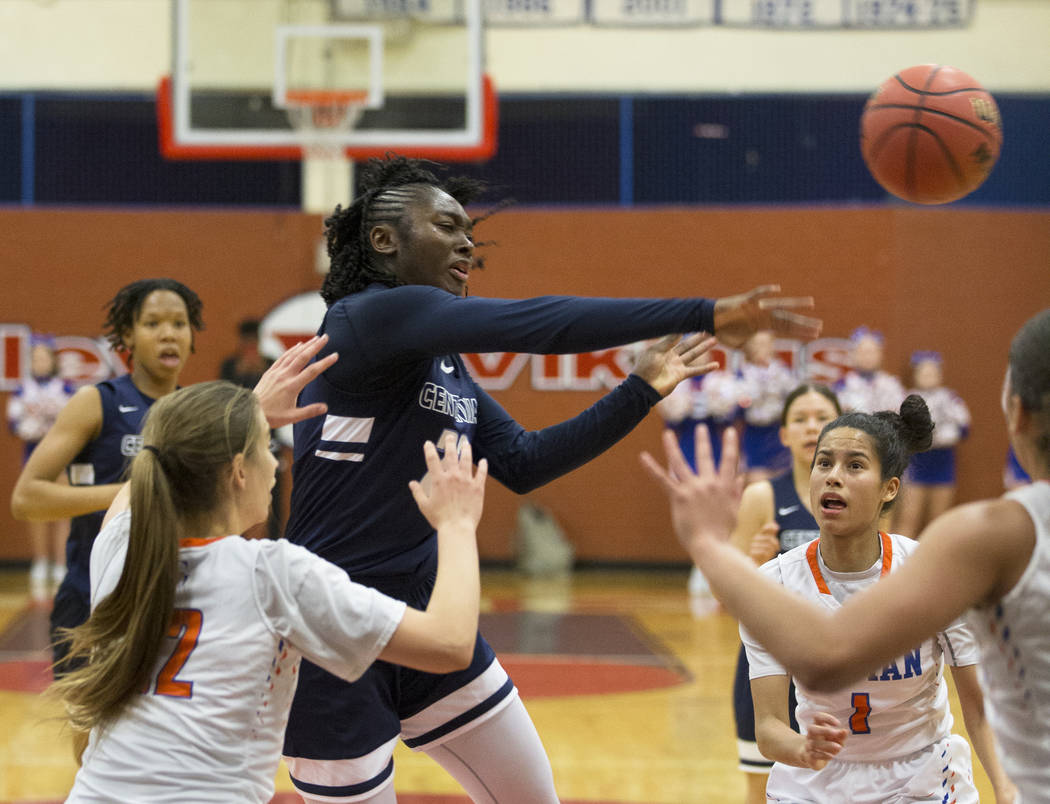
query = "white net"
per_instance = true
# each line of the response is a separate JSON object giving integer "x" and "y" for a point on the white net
{"x": 321, "y": 118}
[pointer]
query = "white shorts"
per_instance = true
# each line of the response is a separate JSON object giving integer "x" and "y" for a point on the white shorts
{"x": 941, "y": 774}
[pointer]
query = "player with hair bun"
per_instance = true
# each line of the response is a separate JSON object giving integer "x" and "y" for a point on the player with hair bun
{"x": 989, "y": 558}
{"x": 887, "y": 737}
{"x": 775, "y": 517}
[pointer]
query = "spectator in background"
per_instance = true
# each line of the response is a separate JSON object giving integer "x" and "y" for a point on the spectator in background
{"x": 930, "y": 490}
{"x": 31, "y": 410}
{"x": 866, "y": 388}
{"x": 764, "y": 381}
{"x": 247, "y": 364}
{"x": 244, "y": 367}
{"x": 709, "y": 399}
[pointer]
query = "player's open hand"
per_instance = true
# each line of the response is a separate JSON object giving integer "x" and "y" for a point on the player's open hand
{"x": 278, "y": 389}
{"x": 739, "y": 317}
{"x": 704, "y": 503}
{"x": 824, "y": 739}
{"x": 453, "y": 493}
{"x": 666, "y": 362}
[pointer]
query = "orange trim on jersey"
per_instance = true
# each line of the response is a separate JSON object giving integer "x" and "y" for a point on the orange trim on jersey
{"x": 887, "y": 553}
{"x": 814, "y": 563}
{"x": 814, "y": 567}
{"x": 199, "y": 542}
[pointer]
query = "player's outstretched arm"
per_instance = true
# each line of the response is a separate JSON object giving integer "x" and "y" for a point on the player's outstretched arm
{"x": 441, "y": 639}
{"x": 278, "y": 388}
{"x": 739, "y": 317}
{"x": 674, "y": 358}
{"x": 827, "y": 651}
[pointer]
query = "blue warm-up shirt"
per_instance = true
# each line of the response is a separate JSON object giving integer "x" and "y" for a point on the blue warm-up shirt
{"x": 400, "y": 381}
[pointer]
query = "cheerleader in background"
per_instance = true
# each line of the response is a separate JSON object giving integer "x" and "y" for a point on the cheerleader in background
{"x": 709, "y": 399}
{"x": 31, "y": 410}
{"x": 930, "y": 490}
{"x": 764, "y": 381}
{"x": 866, "y": 388}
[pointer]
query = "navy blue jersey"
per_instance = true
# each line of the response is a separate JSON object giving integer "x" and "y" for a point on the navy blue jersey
{"x": 400, "y": 381}
{"x": 103, "y": 461}
{"x": 797, "y": 525}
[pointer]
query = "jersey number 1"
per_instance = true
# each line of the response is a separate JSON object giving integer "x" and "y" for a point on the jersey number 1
{"x": 858, "y": 721}
{"x": 185, "y": 629}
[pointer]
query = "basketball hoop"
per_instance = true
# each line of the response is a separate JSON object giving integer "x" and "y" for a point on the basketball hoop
{"x": 320, "y": 116}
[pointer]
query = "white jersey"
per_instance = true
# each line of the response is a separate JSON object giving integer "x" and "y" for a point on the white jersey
{"x": 211, "y": 725}
{"x": 898, "y": 710}
{"x": 1015, "y": 659}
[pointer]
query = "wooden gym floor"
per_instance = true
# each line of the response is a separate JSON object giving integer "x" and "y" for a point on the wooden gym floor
{"x": 629, "y": 687}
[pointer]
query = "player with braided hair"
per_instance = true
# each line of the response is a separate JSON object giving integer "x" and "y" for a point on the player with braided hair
{"x": 395, "y": 182}
{"x": 97, "y": 432}
{"x": 399, "y": 317}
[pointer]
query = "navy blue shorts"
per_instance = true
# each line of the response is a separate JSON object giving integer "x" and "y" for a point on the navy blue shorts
{"x": 744, "y": 712}
{"x": 935, "y": 467}
{"x": 341, "y": 735}
{"x": 69, "y": 610}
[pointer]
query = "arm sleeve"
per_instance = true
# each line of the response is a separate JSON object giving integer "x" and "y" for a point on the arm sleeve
{"x": 339, "y": 625}
{"x": 959, "y": 644}
{"x": 108, "y": 552}
{"x": 523, "y": 460}
{"x": 417, "y": 321}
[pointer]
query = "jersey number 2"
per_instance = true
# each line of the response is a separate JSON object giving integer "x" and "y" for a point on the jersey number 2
{"x": 185, "y": 629}
{"x": 858, "y": 721}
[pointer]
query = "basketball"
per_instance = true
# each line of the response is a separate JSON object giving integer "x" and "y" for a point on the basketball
{"x": 930, "y": 134}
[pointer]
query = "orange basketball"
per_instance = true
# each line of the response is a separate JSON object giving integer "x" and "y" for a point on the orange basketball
{"x": 930, "y": 134}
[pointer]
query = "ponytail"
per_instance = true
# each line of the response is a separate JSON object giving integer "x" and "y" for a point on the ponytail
{"x": 191, "y": 437}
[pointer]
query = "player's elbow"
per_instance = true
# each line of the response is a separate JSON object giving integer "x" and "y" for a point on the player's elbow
{"x": 20, "y": 507}
{"x": 827, "y": 669}
{"x": 455, "y": 654}
{"x": 764, "y": 744}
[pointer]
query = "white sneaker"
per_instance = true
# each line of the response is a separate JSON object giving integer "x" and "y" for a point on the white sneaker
{"x": 39, "y": 589}
{"x": 702, "y": 602}
{"x": 698, "y": 584}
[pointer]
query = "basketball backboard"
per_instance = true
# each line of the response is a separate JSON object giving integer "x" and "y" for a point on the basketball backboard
{"x": 266, "y": 79}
